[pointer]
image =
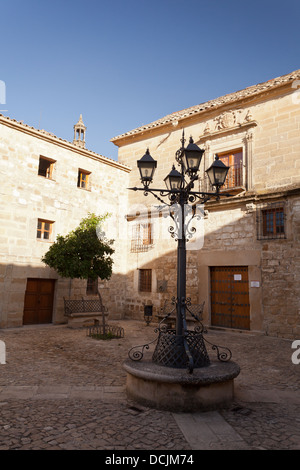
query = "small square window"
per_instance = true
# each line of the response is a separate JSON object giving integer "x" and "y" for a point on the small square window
{"x": 83, "y": 179}
{"x": 145, "y": 280}
{"x": 46, "y": 167}
{"x": 44, "y": 229}
{"x": 271, "y": 221}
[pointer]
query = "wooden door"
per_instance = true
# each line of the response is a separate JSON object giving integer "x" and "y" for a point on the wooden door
{"x": 38, "y": 303}
{"x": 230, "y": 305}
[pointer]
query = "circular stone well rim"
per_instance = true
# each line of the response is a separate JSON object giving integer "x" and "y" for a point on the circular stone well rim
{"x": 215, "y": 372}
{"x": 177, "y": 390}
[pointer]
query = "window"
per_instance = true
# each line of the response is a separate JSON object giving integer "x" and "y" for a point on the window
{"x": 271, "y": 221}
{"x": 141, "y": 237}
{"x": 92, "y": 286}
{"x": 233, "y": 159}
{"x": 46, "y": 167}
{"x": 83, "y": 179}
{"x": 44, "y": 229}
{"x": 145, "y": 280}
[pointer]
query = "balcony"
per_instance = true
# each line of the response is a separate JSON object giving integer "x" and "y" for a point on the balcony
{"x": 235, "y": 178}
{"x": 235, "y": 181}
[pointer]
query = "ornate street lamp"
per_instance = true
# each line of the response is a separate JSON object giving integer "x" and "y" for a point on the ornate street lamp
{"x": 174, "y": 180}
{"x": 181, "y": 347}
{"x": 147, "y": 166}
{"x": 192, "y": 156}
{"x": 217, "y": 173}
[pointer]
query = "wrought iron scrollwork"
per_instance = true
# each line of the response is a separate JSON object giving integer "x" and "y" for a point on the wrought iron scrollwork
{"x": 191, "y": 230}
{"x": 137, "y": 352}
{"x": 175, "y": 230}
{"x": 223, "y": 356}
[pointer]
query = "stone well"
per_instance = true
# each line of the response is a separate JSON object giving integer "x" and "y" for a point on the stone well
{"x": 172, "y": 389}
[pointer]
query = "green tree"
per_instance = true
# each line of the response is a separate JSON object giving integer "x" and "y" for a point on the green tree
{"x": 84, "y": 253}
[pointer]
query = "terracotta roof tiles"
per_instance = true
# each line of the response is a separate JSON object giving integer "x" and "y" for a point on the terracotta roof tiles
{"x": 215, "y": 103}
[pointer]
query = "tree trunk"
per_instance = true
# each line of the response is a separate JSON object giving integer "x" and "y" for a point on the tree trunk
{"x": 103, "y": 316}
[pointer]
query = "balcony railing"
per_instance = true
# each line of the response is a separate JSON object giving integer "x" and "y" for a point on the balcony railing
{"x": 235, "y": 179}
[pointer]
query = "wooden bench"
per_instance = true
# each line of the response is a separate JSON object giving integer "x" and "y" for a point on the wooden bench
{"x": 84, "y": 312}
{"x": 168, "y": 315}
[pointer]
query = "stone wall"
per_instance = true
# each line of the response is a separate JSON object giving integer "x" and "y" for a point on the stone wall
{"x": 280, "y": 266}
{"x": 266, "y": 128}
{"x": 26, "y": 197}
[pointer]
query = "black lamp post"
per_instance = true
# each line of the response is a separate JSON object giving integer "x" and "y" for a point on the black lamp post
{"x": 181, "y": 347}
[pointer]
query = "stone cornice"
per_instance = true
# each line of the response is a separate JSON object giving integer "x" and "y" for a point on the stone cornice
{"x": 255, "y": 197}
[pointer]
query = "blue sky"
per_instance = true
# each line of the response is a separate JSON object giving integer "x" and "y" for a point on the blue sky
{"x": 124, "y": 63}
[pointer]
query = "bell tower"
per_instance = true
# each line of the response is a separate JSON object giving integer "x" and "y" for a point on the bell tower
{"x": 79, "y": 133}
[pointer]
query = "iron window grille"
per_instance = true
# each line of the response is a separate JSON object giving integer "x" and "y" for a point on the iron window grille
{"x": 145, "y": 280}
{"x": 271, "y": 221}
{"x": 141, "y": 240}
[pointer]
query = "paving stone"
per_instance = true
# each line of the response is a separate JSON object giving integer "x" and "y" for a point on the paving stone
{"x": 60, "y": 389}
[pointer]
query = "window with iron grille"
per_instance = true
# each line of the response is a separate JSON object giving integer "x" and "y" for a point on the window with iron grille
{"x": 271, "y": 221}
{"x": 92, "y": 286}
{"x": 145, "y": 280}
{"x": 141, "y": 237}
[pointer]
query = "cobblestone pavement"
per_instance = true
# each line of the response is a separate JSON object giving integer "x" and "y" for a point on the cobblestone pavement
{"x": 61, "y": 389}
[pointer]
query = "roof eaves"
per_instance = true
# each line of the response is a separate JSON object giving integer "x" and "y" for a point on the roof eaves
{"x": 215, "y": 103}
{"x": 49, "y": 135}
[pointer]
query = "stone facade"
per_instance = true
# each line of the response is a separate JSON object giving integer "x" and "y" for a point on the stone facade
{"x": 256, "y": 230}
{"x": 263, "y": 124}
{"x": 27, "y": 196}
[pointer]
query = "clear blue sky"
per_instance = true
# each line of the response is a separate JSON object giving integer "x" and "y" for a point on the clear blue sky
{"x": 124, "y": 63}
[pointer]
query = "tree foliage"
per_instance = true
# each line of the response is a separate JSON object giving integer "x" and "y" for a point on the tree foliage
{"x": 84, "y": 253}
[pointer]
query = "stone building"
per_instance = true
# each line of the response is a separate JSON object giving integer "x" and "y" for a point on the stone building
{"x": 244, "y": 259}
{"x": 247, "y": 269}
{"x": 47, "y": 186}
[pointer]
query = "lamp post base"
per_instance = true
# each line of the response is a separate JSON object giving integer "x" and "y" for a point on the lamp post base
{"x": 172, "y": 389}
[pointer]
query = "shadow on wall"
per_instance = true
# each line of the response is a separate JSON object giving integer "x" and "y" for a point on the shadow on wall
{"x": 28, "y": 293}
